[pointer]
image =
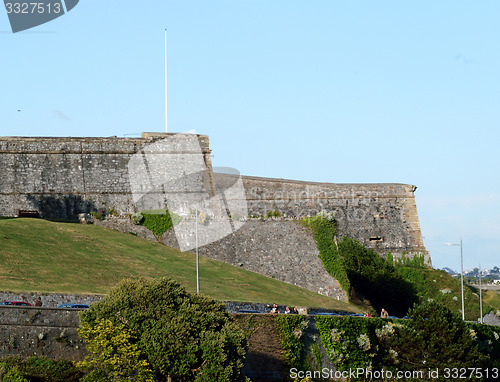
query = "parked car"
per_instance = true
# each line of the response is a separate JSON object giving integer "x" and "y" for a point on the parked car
{"x": 73, "y": 306}
{"x": 15, "y": 303}
{"x": 329, "y": 314}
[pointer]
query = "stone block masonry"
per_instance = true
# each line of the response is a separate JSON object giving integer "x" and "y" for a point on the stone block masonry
{"x": 49, "y": 332}
{"x": 63, "y": 177}
{"x": 382, "y": 216}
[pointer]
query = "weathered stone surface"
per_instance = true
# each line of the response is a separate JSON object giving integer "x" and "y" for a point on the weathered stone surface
{"x": 51, "y": 300}
{"x": 50, "y": 332}
{"x": 65, "y": 177}
{"x": 281, "y": 249}
{"x": 381, "y": 216}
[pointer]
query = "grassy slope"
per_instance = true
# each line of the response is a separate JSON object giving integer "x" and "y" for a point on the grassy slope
{"x": 44, "y": 256}
{"x": 492, "y": 298}
{"x": 430, "y": 282}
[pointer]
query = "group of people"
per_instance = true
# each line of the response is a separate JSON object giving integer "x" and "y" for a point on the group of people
{"x": 276, "y": 310}
{"x": 383, "y": 314}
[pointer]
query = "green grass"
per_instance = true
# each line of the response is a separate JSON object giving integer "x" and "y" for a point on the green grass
{"x": 492, "y": 298}
{"x": 46, "y": 256}
{"x": 431, "y": 283}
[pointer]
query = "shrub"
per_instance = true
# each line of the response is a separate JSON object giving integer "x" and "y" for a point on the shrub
{"x": 11, "y": 375}
{"x": 374, "y": 279}
{"x": 159, "y": 221}
{"x": 99, "y": 214}
{"x": 181, "y": 336}
{"x": 291, "y": 330}
{"x": 137, "y": 218}
{"x": 432, "y": 338}
{"x": 273, "y": 214}
{"x": 39, "y": 369}
{"x": 113, "y": 354}
{"x": 350, "y": 342}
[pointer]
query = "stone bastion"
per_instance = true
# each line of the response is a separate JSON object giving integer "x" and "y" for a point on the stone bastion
{"x": 64, "y": 177}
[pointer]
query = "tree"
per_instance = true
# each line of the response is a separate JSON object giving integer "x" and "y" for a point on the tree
{"x": 434, "y": 337}
{"x": 182, "y": 337}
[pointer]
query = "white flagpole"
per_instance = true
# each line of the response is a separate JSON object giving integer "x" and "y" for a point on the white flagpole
{"x": 166, "y": 120}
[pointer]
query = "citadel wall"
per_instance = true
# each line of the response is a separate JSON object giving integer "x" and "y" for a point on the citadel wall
{"x": 381, "y": 216}
{"x": 62, "y": 177}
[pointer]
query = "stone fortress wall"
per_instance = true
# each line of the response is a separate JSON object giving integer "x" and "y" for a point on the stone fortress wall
{"x": 381, "y": 216}
{"x": 63, "y": 177}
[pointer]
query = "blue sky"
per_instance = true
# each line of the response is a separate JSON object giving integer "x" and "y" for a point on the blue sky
{"x": 334, "y": 91}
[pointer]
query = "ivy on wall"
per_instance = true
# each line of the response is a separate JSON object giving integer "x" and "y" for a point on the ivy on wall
{"x": 351, "y": 342}
{"x": 323, "y": 227}
{"x": 291, "y": 329}
{"x": 157, "y": 221}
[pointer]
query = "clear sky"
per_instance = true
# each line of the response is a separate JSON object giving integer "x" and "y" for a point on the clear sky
{"x": 333, "y": 91}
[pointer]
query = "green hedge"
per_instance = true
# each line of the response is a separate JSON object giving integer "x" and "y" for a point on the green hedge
{"x": 351, "y": 342}
{"x": 291, "y": 329}
{"x": 434, "y": 338}
{"x": 159, "y": 221}
{"x": 38, "y": 369}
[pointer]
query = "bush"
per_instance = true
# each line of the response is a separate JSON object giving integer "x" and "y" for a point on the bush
{"x": 374, "y": 279}
{"x": 361, "y": 272}
{"x": 351, "y": 342}
{"x": 159, "y": 221}
{"x": 113, "y": 354}
{"x": 273, "y": 214}
{"x": 434, "y": 338}
{"x": 291, "y": 330}
{"x": 137, "y": 218}
{"x": 38, "y": 369}
{"x": 181, "y": 336}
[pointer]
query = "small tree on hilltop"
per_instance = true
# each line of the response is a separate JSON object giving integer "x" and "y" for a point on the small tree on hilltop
{"x": 180, "y": 336}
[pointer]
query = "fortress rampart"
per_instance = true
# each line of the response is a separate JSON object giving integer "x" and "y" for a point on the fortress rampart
{"x": 63, "y": 177}
{"x": 381, "y": 216}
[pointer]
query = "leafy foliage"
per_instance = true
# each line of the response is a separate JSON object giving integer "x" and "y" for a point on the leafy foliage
{"x": 350, "y": 342}
{"x": 432, "y": 338}
{"x": 12, "y": 375}
{"x": 374, "y": 279}
{"x": 488, "y": 340}
{"x": 182, "y": 336}
{"x": 137, "y": 218}
{"x": 291, "y": 330}
{"x": 159, "y": 221}
{"x": 438, "y": 286}
{"x": 415, "y": 261}
{"x": 113, "y": 354}
{"x": 324, "y": 235}
{"x": 38, "y": 369}
{"x": 273, "y": 214}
